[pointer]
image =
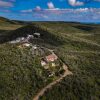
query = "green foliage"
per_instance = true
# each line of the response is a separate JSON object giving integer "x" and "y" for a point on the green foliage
{"x": 78, "y": 45}
{"x": 20, "y": 76}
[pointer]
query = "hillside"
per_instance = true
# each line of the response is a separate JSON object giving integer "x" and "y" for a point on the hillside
{"x": 8, "y": 21}
{"x": 76, "y": 44}
{"x": 6, "y": 24}
{"x": 4, "y": 20}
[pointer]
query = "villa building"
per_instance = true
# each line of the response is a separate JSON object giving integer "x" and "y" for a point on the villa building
{"x": 51, "y": 58}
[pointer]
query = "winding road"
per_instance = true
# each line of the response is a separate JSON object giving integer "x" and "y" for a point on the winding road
{"x": 40, "y": 93}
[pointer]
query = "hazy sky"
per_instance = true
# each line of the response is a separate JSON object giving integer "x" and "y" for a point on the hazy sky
{"x": 51, "y": 10}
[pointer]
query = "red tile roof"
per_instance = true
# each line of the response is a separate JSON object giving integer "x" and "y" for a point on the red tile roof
{"x": 51, "y": 57}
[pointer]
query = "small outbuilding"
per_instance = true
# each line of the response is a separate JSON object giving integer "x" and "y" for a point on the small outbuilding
{"x": 43, "y": 63}
{"x": 26, "y": 44}
{"x": 30, "y": 37}
{"x": 37, "y": 35}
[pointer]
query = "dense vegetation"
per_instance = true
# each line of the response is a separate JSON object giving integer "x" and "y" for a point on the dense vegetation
{"x": 81, "y": 51}
{"x": 78, "y": 45}
{"x": 21, "y": 74}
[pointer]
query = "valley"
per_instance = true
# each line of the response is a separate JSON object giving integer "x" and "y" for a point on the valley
{"x": 49, "y": 61}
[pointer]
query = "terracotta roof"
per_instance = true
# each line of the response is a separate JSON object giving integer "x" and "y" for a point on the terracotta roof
{"x": 51, "y": 57}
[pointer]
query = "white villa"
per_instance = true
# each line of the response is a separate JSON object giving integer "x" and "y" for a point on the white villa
{"x": 37, "y": 35}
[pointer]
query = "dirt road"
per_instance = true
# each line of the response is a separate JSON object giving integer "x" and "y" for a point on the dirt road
{"x": 67, "y": 72}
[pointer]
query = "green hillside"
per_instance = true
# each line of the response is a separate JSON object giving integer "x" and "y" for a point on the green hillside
{"x": 81, "y": 51}
{"x": 6, "y": 24}
{"x": 76, "y": 44}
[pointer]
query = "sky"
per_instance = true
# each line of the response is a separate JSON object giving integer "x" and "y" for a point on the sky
{"x": 51, "y": 10}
